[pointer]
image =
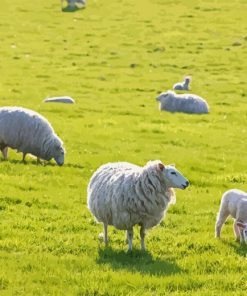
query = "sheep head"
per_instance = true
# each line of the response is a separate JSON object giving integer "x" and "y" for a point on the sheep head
{"x": 243, "y": 229}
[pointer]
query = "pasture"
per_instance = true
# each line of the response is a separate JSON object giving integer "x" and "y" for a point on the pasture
{"x": 114, "y": 58}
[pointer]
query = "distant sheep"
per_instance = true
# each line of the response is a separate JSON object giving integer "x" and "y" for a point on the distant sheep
{"x": 233, "y": 203}
{"x": 123, "y": 195}
{"x": 66, "y": 100}
{"x": 29, "y": 132}
{"x": 183, "y": 85}
{"x": 74, "y": 3}
{"x": 187, "y": 103}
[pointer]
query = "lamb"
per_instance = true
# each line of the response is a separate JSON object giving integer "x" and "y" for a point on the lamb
{"x": 183, "y": 85}
{"x": 29, "y": 132}
{"x": 66, "y": 100}
{"x": 233, "y": 203}
{"x": 186, "y": 103}
{"x": 123, "y": 195}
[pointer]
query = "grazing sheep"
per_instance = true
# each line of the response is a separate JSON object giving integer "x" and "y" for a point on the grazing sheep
{"x": 183, "y": 85}
{"x": 29, "y": 132}
{"x": 123, "y": 195}
{"x": 74, "y": 3}
{"x": 186, "y": 103}
{"x": 66, "y": 100}
{"x": 233, "y": 203}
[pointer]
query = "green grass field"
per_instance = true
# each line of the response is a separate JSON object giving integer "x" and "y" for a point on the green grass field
{"x": 113, "y": 58}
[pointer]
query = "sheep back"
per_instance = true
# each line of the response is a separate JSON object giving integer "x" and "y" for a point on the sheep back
{"x": 187, "y": 103}
{"x": 235, "y": 202}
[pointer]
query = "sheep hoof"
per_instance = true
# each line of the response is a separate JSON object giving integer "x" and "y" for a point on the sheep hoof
{"x": 102, "y": 239}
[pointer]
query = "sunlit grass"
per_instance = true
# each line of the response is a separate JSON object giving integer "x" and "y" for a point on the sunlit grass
{"x": 114, "y": 58}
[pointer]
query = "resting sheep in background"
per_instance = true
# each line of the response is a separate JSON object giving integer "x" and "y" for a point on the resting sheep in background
{"x": 233, "y": 203}
{"x": 186, "y": 103}
{"x": 182, "y": 85}
{"x": 65, "y": 100}
{"x": 29, "y": 132}
{"x": 123, "y": 195}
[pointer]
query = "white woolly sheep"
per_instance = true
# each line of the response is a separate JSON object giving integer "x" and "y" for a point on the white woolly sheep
{"x": 123, "y": 195}
{"x": 74, "y": 3}
{"x": 233, "y": 203}
{"x": 66, "y": 100}
{"x": 29, "y": 132}
{"x": 183, "y": 85}
{"x": 186, "y": 103}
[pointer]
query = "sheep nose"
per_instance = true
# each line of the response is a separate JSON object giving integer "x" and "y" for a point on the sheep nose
{"x": 187, "y": 183}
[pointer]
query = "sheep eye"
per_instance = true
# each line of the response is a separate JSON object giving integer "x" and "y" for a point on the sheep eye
{"x": 174, "y": 173}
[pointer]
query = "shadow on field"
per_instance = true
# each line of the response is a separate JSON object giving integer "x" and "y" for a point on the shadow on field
{"x": 71, "y": 9}
{"x": 137, "y": 261}
{"x": 238, "y": 248}
{"x": 30, "y": 162}
{"x": 41, "y": 163}
{"x": 74, "y": 165}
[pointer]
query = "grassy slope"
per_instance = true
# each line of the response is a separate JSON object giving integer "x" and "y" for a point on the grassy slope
{"x": 114, "y": 58}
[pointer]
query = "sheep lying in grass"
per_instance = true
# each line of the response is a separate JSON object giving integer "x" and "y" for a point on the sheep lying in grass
{"x": 29, "y": 132}
{"x": 233, "y": 203}
{"x": 123, "y": 195}
{"x": 186, "y": 103}
{"x": 183, "y": 85}
{"x": 65, "y": 100}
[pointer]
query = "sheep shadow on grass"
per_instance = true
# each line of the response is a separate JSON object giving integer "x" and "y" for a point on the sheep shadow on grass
{"x": 238, "y": 248}
{"x": 33, "y": 161}
{"x": 136, "y": 261}
{"x": 30, "y": 161}
{"x": 71, "y": 9}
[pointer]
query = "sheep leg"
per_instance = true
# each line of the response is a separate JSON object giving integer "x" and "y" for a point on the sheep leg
{"x": 142, "y": 235}
{"x": 236, "y": 230}
{"x": 130, "y": 235}
{"x": 5, "y": 153}
{"x": 23, "y": 157}
{"x": 241, "y": 236}
{"x": 220, "y": 221}
{"x": 106, "y": 234}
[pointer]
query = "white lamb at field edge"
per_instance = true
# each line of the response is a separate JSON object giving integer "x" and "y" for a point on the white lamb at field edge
{"x": 123, "y": 195}
{"x": 186, "y": 103}
{"x": 29, "y": 132}
{"x": 234, "y": 204}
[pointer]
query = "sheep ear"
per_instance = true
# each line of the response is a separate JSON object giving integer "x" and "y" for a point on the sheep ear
{"x": 241, "y": 225}
{"x": 161, "y": 167}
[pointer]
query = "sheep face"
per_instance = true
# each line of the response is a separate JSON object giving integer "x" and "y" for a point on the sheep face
{"x": 59, "y": 154}
{"x": 166, "y": 97}
{"x": 162, "y": 96}
{"x": 243, "y": 232}
{"x": 172, "y": 177}
{"x": 57, "y": 151}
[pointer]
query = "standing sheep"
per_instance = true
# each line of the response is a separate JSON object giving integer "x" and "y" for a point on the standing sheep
{"x": 186, "y": 103}
{"x": 29, "y": 132}
{"x": 183, "y": 85}
{"x": 74, "y": 3}
{"x": 123, "y": 195}
{"x": 233, "y": 203}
